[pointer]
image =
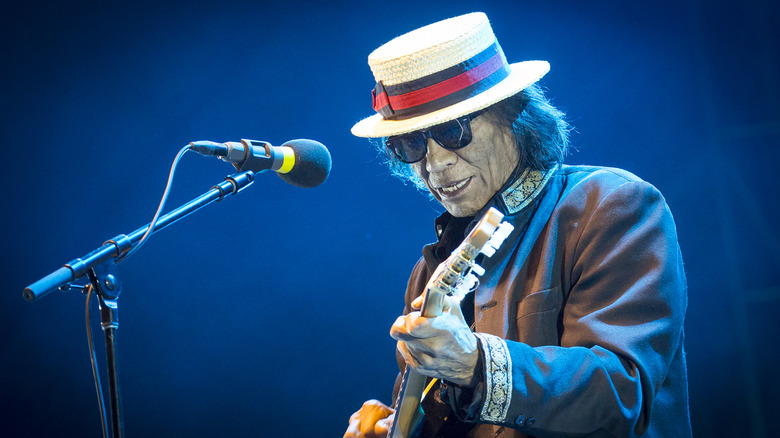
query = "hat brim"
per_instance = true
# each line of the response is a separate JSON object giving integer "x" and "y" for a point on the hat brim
{"x": 522, "y": 74}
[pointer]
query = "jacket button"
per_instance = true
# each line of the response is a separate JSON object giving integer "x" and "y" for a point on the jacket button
{"x": 520, "y": 420}
{"x": 530, "y": 422}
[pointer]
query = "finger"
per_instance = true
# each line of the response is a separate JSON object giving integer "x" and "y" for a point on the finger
{"x": 371, "y": 412}
{"x": 382, "y": 427}
{"x": 353, "y": 430}
{"x": 421, "y": 359}
{"x": 398, "y": 329}
{"x": 451, "y": 305}
{"x": 417, "y": 303}
{"x": 405, "y": 328}
{"x": 375, "y": 408}
{"x": 407, "y": 355}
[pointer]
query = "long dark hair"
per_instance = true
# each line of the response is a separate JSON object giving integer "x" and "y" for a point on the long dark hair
{"x": 540, "y": 130}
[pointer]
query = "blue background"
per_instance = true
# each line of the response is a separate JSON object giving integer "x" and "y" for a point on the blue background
{"x": 267, "y": 314}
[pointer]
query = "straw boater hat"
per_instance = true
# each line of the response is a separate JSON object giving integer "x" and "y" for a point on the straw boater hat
{"x": 441, "y": 72}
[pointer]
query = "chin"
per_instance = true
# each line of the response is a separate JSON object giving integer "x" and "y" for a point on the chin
{"x": 461, "y": 211}
{"x": 456, "y": 209}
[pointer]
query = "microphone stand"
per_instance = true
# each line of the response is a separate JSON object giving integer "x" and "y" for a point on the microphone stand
{"x": 100, "y": 267}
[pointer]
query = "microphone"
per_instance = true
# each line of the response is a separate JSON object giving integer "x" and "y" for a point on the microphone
{"x": 302, "y": 163}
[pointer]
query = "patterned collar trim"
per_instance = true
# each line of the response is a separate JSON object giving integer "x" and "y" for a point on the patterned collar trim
{"x": 525, "y": 189}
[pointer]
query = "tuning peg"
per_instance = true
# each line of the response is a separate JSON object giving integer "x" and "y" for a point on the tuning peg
{"x": 469, "y": 283}
{"x": 502, "y": 232}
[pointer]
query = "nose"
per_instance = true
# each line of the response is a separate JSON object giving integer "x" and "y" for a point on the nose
{"x": 438, "y": 158}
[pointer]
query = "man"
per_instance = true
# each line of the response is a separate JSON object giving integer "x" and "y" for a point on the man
{"x": 576, "y": 328}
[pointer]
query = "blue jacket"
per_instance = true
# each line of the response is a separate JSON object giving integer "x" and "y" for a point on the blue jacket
{"x": 579, "y": 315}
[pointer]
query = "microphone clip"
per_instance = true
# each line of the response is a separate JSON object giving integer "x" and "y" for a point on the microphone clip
{"x": 255, "y": 155}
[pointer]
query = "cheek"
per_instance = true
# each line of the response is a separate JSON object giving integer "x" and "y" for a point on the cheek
{"x": 483, "y": 159}
{"x": 419, "y": 169}
{"x": 505, "y": 164}
{"x": 505, "y": 159}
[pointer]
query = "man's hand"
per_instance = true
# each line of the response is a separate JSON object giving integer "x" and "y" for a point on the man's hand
{"x": 442, "y": 347}
{"x": 373, "y": 420}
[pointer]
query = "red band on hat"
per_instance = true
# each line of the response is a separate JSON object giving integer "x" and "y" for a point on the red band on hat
{"x": 380, "y": 100}
{"x": 441, "y": 89}
{"x": 437, "y": 91}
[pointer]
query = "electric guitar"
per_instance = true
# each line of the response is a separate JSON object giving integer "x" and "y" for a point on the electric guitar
{"x": 454, "y": 277}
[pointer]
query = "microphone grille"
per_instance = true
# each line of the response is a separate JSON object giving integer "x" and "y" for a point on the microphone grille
{"x": 312, "y": 163}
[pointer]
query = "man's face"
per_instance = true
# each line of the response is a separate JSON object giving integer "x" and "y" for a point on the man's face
{"x": 464, "y": 180}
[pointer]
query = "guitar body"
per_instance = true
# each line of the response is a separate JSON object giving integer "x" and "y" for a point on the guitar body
{"x": 439, "y": 420}
{"x": 454, "y": 277}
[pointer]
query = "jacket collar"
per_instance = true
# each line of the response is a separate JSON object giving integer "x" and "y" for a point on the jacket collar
{"x": 513, "y": 197}
{"x": 523, "y": 190}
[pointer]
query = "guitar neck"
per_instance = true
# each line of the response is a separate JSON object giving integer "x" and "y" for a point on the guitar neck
{"x": 449, "y": 274}
{"x": 448, "y": 279}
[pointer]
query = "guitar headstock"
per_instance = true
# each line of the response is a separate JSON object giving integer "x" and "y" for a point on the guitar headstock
{"x": 457, "y": 275}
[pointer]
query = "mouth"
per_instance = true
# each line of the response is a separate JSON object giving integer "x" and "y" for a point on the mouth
{"x": 453, "y": 189}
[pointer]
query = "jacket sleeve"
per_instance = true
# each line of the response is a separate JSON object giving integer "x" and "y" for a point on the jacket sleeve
{"x": 619, "y": 328}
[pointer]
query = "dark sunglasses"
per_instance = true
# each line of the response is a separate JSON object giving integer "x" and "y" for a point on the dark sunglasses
{"x": 452, "y": 135}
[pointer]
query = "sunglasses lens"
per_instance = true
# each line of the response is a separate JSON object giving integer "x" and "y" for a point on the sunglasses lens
{"x": 409, "y": 148}
{"x": 454, "y": 134}
{"x": 412, "y": 147}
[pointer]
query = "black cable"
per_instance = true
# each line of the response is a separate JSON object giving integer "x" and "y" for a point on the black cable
{"x": 168, "y": 186}
{"x": 89, "y": 289}
{"x": 95, "y": 373}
